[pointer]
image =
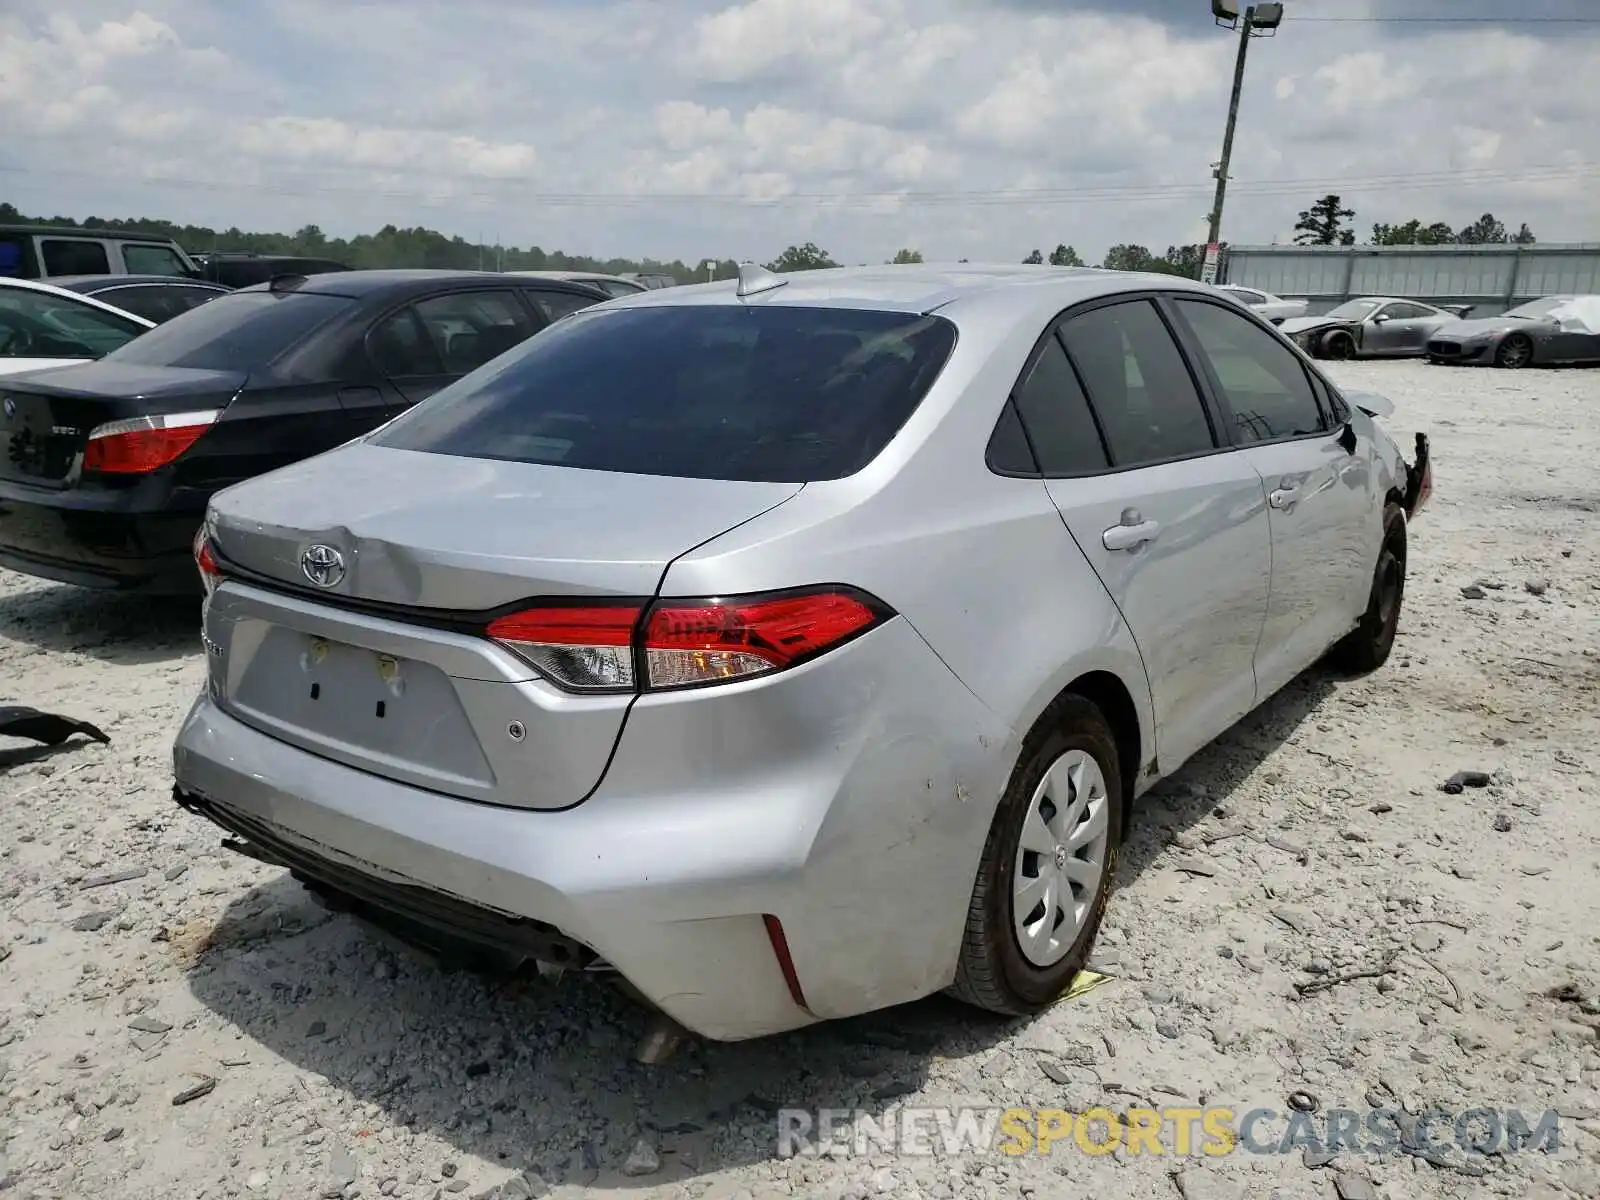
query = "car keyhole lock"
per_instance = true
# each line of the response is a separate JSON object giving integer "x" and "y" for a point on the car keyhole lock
{"x": 516, "y": 731}
{"x": 1131, "y": 516}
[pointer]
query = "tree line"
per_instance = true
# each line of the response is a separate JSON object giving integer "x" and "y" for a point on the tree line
{"x": 1329, "y": 223}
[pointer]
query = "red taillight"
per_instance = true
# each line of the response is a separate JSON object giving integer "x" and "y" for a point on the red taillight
{"x": 584, "y": 647}
{"x": 683, "y": 643}
{"x": 142, "y": 444}
{"x": 210, "y": 572}
{"x": 691, "y": 642}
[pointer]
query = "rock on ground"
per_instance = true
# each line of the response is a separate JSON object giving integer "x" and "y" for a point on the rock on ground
{"x": 1310, "y": 844}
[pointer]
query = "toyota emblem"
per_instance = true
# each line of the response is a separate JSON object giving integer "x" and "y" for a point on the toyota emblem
{"x": 322, "y": 565}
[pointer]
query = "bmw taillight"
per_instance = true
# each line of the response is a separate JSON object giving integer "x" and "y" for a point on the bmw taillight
{"x": 667, "y": 644}
{"x": 140, "y": 445}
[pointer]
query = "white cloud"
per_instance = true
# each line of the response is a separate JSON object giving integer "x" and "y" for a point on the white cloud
{"x": 706, "y": 127}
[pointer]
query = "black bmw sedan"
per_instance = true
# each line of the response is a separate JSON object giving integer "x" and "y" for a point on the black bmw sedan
{"x": 106, "y": 467}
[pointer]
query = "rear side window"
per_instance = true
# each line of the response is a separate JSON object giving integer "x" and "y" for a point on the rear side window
{"x": 469, "y": 328}
{"x": 237, "y": 332}
{"x": 1266, "y": 386}
{"x": 773, "y": 393}
{"x": 1056, "y": 414}
{"x": 555, "y": 305}
{"x": 1142, "y": 392}
{"x": 74, "y": 257}
{"x": 14, "y": 258}
{"x": 151, "y": 260}
{"x": 401, "y": 348}
{"x": 156, "y": 301}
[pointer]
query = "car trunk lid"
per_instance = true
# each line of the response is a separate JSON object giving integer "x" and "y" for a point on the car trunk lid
{"x": 388, "y": 668}
{"x": 46, "y": 418}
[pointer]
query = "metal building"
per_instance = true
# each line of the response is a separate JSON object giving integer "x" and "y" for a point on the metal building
{"x": 1491, "y": 278}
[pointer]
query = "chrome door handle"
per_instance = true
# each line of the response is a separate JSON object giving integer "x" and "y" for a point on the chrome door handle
{"x": 1130, "y": 537}
{"x": 1284, "y": 497}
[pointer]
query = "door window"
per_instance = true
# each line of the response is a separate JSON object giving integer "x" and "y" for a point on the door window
{"x": 75, "y": 257}
{"x": 555, "y": 305}
{"x": 39, "y": 325}
{"x": 1143, "y": 395}
{"x": 1407, "y": 312}
{"x": 470, "y": 328}
{"x": 401, "y": 348}
{"x": 14, "y": 257}
{"x": 1263, "y": 379}
{"x": 151, "y": 260}
{"x": 1056, "y": 414}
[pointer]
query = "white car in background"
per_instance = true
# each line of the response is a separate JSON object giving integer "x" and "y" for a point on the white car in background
{"x": 45, "y": 326}
{"x": 1265, "y": 305}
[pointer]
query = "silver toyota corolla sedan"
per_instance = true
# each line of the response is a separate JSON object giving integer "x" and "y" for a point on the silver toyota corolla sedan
{"x": 794, "y": 646}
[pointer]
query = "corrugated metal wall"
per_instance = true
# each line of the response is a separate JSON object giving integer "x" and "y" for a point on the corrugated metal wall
{"x": 1492, "y": 278}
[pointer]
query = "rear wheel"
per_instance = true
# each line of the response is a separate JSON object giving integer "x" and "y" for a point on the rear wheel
{"x": 1045, "y": 875}
{"x": 1367, "y": 647}
{"x": 1516, "y": 351}
{"x": 1339, "y": 346}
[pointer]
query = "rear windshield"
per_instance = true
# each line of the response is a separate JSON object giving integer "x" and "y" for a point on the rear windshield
{"x": 239, "y": 331}
{"x": 770, "y": 394}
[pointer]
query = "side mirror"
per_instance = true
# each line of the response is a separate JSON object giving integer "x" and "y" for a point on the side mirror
{"x": 1380, "y": 319}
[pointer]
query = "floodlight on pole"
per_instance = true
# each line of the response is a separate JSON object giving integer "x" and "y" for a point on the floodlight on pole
{"x": 1258, "y": 20}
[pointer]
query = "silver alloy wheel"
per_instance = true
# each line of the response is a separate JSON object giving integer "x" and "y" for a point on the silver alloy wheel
{"x": 1060, "y": 858}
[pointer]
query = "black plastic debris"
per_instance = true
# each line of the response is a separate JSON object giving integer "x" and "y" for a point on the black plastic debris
{"x": 1462, "y": 780}
{"x": 19, "y": 721}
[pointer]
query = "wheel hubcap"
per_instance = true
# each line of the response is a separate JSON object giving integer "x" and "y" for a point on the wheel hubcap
{"x": 1515, "y": 352}
{"x": 1060, "y": 858}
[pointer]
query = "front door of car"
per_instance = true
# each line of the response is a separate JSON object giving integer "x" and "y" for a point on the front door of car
{"x": 1573, "y": 340}
{"x": 1324, "y": 519}
{"x": 431, "y": 343}
{"x": 1176, "y": 529}
{"x": 1407, "y": 328}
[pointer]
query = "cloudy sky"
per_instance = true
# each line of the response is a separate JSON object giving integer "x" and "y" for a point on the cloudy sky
{"x": 695, "y": 128}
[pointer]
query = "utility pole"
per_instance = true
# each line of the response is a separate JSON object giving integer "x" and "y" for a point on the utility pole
{"x": 1259, "y": 20}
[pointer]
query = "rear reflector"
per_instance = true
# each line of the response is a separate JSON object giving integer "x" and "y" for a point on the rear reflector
{"x": 683, "y": 643}
{"x": 780, "y": 950}
{"x": 143, "y": 444}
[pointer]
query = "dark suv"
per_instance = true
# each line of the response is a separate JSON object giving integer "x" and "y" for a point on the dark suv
{"x": 237, "y": 268}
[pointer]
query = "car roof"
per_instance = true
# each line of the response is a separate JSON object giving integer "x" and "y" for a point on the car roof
{"x": 94, "y": 283}
{"x": 359, "y": 285}
{"x": 924, "y": 287}
{"x": 33, "y": 285}
{"x": 579, "y": 276}
{"x": 117, "y": 235}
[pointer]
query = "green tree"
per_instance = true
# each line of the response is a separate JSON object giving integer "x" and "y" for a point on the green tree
{"x": 809, "y": 257}
{"x": 1485, "y": 231}
{"x": 902, "y": 257}
{"x": 1064, "y": 256}
{"x": 1414, "y": 233}
{"x": 1524, "y": 236}
{"x": 1181, "y": 260}
{"x": 1129, "y": 257}
{"x": 1323, "y": 224}
{"x": 1035, "y": 258}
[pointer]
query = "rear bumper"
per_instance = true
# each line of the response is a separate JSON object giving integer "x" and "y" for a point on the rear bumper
{"x": 862, "y": 842}
{"x": 107, "y": 545}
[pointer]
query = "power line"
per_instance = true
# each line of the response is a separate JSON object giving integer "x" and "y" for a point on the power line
{"x": 512, "y": 189}
{"x": 1299, "y": 20}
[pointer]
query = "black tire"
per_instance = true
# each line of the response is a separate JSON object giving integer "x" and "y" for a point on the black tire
{"x": 1514, "y": 353}
{"x": 992, "y": 972}
{"x": 1340, "y": 347}
{"x": 1367, "y": 647}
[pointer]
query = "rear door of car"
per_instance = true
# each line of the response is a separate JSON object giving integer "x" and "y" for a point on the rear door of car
{"x": 433, "y": 341}
{"x": 1319, "y": 484}
{"x": 1170, "y": 518}
{"x": 73, "y": 256}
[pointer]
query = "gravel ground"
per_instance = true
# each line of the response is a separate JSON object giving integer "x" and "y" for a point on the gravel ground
{"x": 141, "y": 965}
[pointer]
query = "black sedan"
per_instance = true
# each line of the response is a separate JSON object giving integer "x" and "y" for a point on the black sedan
{"x": 106, "y": 467}
{"x": 156, "y": 298}
{"x": 1546, "y": 332}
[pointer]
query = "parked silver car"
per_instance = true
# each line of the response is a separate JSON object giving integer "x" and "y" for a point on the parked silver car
{"x": 1265, "y": 305}
{"x": 1372, "y": 327}
{"x": 794, "y": 647}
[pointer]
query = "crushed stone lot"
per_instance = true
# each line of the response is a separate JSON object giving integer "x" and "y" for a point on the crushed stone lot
{"x": 179, "y": 1021}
